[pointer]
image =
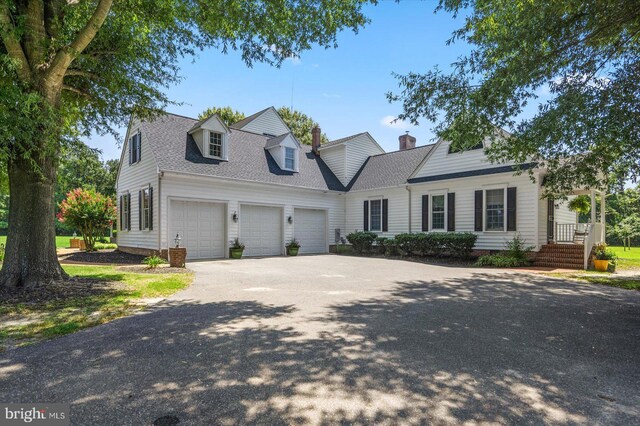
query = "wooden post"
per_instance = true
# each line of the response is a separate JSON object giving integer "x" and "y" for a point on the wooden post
{"x": 603, "y": 195}
{"x": 593, "y": 206}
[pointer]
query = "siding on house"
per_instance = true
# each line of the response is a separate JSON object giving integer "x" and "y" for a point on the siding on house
{"x": 133, "y": 178}
{"x": 335, "y": 158}
{"x": 267, "y": 123}
{"x": 398, "y": 219}
{"x": 563, "y": 214}
{"x": 233, "y": 194}
{"x": 358, "y": 150}
{"x": 440, "y": 162}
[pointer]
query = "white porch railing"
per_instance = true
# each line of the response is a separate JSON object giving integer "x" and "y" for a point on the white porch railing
{"x": 570, "y": 232}
{"x": 594, "y": 236}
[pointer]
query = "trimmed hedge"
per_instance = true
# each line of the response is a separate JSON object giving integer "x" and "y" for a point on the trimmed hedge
{"x": 443, "y": 244}
{"x": 362, "y": 241}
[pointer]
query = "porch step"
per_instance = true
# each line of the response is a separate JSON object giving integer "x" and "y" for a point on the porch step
{"x": 566, "y": 256}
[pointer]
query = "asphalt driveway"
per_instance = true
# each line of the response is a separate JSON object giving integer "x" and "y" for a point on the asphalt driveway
{"x": 328, "y": 339}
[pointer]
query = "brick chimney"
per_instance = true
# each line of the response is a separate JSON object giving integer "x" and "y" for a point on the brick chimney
{"x": 315, "y": 140}
{"x": 407, "y": 142}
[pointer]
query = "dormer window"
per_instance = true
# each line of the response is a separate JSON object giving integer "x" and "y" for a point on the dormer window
{"x": 290, "y": 158}
{"x": 215, "y": 144}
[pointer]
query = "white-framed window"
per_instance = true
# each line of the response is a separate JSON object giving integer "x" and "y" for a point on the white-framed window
{"x": 495, "y": 207}
{"x": 375, "y": 215}
{"x": 438, "y": 212}
{"x": 289, "y": 158}
{"x": 125, "y": 212}
{"x": 146, "y": 206}
{"x": 215, "y": 144}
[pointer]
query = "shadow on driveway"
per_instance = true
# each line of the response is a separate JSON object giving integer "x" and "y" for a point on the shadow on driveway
{"x": 486, "y": 348}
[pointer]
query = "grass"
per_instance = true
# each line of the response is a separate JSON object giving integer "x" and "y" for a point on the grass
{"x": 24, "y": 323}
{"x": 601, "y": 278}
{"x": 629, "y": 259}
{"x": 61, "y": 241}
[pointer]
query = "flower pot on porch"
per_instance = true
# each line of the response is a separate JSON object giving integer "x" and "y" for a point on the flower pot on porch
{"x": 601, "y": 265}
{"x": 235, "y": 253}
{"x": 293, "y": 251}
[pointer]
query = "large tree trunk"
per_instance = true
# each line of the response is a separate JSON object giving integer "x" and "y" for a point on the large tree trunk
{"x": 30, "y": 257}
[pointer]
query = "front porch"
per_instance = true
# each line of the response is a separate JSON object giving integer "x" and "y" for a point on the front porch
{"x": 569, "y": 244}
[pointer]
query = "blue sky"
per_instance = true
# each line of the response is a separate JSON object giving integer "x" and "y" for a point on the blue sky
{"x": 343, "y": 89}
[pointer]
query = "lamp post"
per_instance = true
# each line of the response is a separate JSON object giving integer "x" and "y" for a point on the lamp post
{"x": 177, "y": 240}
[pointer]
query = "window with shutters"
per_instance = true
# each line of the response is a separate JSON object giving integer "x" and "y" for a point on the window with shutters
{"x": 375, "y": 215}
{"x": 495, "y": 209}
{"x": 215, "y": 144}
{"x": 146, "y": 208}
{"x": 125, "y": 217}
{"x": 437, "y": 213}
{"x": 135, "y": 149}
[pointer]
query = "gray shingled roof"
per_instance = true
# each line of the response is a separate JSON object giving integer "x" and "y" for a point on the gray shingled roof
{"x": 276, "y": 141}
{"x": 176, "y": 151}
{"x": 390, "y": 169}
{"x": 341, "y": 140}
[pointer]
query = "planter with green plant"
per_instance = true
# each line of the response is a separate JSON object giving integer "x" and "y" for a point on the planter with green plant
{"x": 236, "y": 249}
{"x": 603, "y": 257}
{"x": 293, "y": 247}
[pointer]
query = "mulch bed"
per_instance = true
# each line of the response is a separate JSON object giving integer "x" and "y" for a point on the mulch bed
{"x": 74, "y": 287}
{"x": 108, "y": 257}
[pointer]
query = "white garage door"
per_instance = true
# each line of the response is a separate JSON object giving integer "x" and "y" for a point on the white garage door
{"x": 310, "y": 228}
{"x": 261, "y": 230}
{"x": 201, "y": 227}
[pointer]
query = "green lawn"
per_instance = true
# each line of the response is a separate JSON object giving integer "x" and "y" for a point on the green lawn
{"x": 629, "y": 259}
{"x": 61, "y": 242}
{"x": 24, "y": 321}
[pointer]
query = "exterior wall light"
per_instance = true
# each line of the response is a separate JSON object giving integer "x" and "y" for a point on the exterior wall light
{"x": 234, "y": 216}
{"x": 290, "y": 220}
{"x": 177, "y": 239}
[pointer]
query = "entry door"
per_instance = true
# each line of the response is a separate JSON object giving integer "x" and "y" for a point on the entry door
{"x": 551, "y": 221}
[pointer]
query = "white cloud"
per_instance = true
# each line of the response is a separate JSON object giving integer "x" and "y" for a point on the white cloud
{"x": 331, "y": 95}
{"x": 393, "y": 122}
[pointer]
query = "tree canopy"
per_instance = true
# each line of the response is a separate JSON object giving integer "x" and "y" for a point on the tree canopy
{"x": 226, "y": 114}
{"x": 584, "y": 53}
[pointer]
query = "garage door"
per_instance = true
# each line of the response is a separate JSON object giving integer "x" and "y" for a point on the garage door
{"x": 310, "y": 228}
{"x": 261, "y": 230}
{"x": 201, "y": 227}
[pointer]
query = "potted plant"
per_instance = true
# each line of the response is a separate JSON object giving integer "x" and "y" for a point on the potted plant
{"x": 293, "y": 247}
{"x": 236, "y": 249}
{"x": 602, "y": 256}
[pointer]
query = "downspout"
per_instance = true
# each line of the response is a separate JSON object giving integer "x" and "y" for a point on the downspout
{"x": 408, "y": 188}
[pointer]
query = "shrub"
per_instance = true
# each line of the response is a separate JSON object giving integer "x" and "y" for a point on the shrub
{"x": 602, "y": 252}
{"x": 89, "y": 211}
{"x": 380, "y": 245}
{"x": 362, "y": 241}
{"x": 516, "y": 254}
{"x": 105, "y": 246}
{"x": 391, "y": 247}
{"x": 451, "y": 244}
{"x": 293, "y": 244}
{"x": 153, "y": 262}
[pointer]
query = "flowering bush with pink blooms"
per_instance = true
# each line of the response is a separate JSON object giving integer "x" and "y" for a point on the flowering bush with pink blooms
{"x": 88, "y": 211}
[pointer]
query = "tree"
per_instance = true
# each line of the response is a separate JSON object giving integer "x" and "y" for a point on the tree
{"x": 628, "y": 228}
{"x": 226, "y": 114}
{"x": 299, "y": 123}
{"x": 88, "y": 211}
{"x": 585, "y": 52}
{"x": 70, "y": 67}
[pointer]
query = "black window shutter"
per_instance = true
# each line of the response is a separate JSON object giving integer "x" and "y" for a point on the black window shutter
{"x": 140, "y": 210}
{"x": 121, "y": 217}
{"x": 366, "y": 216}
{"x": 425, "y": 213}
{"x": 511, "y": 209}
{"x": 129, "y": 143}
{"x": 139, "y": 147}
{"x": 451, "y": 211}
{"x": 385, "y": 212}
{"x": 150, "y": 208}
{"x": 129, "y": 212}
{"x": 478, "y": 211}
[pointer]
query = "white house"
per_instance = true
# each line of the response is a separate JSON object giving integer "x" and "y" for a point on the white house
{"x": 209, "y": 184}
